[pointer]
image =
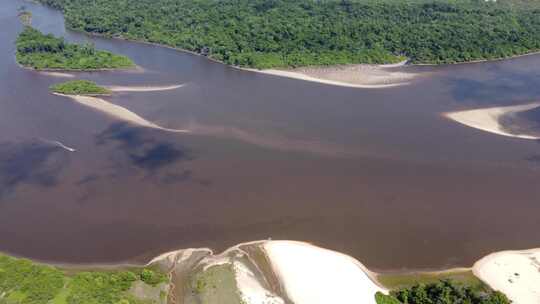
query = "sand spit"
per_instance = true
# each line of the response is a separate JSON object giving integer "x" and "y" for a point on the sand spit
{"x": 488, "y": 119}
{"x": 143, "y": 88}
{"x": 59, "y": 144}
{"x": 57, "y": 74}
{"x": 313, "y": 275}
{"x": 514, "y": 273}
{"x": 117, "y": 112}
{"x": 353, "y": 76}
{"x": 308, "y": 274}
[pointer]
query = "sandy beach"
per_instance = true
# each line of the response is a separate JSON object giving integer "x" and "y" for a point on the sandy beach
{"x": 487, "y": 119}
{"x": 514, "y": 273}
{"x": 117, "y": 112}
{"x": 313, "y": 275}
{"x": 355, "y": 76}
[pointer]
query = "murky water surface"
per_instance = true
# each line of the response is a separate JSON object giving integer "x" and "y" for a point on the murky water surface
{"x": 378, "y": 174}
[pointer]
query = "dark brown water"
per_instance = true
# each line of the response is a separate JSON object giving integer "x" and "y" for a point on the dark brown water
{"x": 378, "y": 174}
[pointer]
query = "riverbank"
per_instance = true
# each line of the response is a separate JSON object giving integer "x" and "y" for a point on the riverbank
{"x": 278, "y": 272}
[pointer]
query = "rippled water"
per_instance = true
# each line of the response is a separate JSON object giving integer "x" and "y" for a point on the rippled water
{"x": 378, "y": 174}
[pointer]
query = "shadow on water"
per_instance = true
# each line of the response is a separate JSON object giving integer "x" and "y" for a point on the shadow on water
{"x": 29, "y": 163}
{"x": 499, "y": 85}
{"x": 146, "y": 153}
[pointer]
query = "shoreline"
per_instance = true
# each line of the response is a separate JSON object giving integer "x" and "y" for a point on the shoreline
{"x": 301, "y": 272}
{"x": 65, "y": 72}
{"x": 166, "y": 255}
{"x": 288, "y": 72}
{"x": 92, "y": 34}
{"x": 535, "y": 52}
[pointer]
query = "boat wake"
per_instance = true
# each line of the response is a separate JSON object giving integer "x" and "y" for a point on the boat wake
{"x": 58, "y": 144}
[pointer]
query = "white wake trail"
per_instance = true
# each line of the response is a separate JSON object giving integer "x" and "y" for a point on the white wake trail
{"x": 59, "y": 144}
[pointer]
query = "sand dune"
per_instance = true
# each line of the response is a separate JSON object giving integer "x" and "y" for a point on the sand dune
{"x": 487, "y": 119}
{"x": 514, "y": 273}
{"x": 313, "y": 275}
{"x": 117, "y": 112}
{"x": 143, "y": 88}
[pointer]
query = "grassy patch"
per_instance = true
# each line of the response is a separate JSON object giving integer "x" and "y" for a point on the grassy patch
{"x": 404, "y": 280}
{"x": 217, "y": 284}
{"x": 381, "y": 298}
{"x": 79, "y": 87}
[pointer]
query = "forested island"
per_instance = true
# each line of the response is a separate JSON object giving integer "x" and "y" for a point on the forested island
{"x": 46, "y": 52}
{"x": 292, "y": 33}
{"x": 79, "y": 87}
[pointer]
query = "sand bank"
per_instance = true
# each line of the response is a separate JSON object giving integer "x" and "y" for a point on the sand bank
{"x": 57, "y": 74}
{"x": 313, "y": 275}
{"x": 250, "y": 287}
{"x": 143, "y": 88}
{"x": 354, "y": 76}
{"x": 514, "y": 273}
{"x": 487, "y": 119}
{"x": 117, "y": 112}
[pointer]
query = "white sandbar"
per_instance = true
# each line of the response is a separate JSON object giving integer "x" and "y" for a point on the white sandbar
{"x": 355, "y": 75}
{"x": 143, "y": 88}
{"x": 514, "y": 273}
{"x": 313, "y": 275}
{"x": 57, "y": 74}
{"x": 117, "y": 112}
{"x": 487, "y": 119}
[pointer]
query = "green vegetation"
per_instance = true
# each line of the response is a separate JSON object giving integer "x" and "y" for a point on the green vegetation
{"x": 381, "y": 298}
{"x": 405, "y": 280}
{"x": 79, "y": 87}
{"x": 281, "y": 33}
{"x": 39, "y": 51}
{"x": 444, "y": 292}
{"x": 24, "y": 282}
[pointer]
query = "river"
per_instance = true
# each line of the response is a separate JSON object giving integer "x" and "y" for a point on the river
{"x": 379, "y": 174}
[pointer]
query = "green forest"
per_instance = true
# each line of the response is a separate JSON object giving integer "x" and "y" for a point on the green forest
{"x": 26, "y": 282}
{"x": 442, "y": 292}
{"x": 39, "y": 51}
{"x": 291, "y": 33}
{"x": 79, "y": 87}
